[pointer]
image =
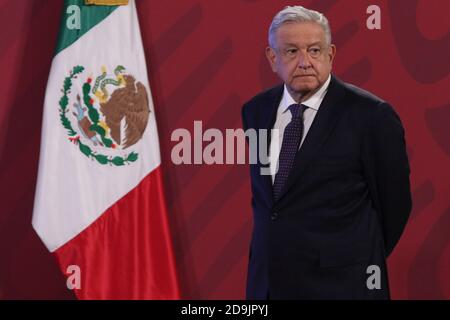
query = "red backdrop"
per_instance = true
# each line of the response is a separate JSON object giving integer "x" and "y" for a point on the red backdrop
{"x": 206, "y": 57}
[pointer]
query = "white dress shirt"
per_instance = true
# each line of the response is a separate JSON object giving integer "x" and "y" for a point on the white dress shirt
{"x": 284, "y": 118}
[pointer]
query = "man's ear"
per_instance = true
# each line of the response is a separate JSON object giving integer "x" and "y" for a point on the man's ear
{"x": 271, "y": 56}
{"x": 332, "y": 52}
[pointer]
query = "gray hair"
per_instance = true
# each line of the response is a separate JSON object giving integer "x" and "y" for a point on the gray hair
{"x": 298, "y": 14}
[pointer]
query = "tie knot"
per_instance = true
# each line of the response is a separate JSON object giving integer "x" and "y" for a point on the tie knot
{"x": 297, "y": 110}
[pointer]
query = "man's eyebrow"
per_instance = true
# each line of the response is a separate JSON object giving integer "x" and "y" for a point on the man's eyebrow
{"x": 290, "y": 45}
{"x": 309, "y": 45}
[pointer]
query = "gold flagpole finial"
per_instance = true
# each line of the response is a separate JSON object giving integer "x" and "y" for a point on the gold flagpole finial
{"x": 107, "y": 2}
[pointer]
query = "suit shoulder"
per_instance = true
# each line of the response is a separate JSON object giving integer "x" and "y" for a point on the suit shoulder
{"x": 263, "y": 97}
{"x": 362, "y": 96}
{"x": 367, "y": 102}
{"x": 377, "y": 112}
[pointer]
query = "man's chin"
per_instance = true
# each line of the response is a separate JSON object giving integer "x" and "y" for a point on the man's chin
{"x": 304, "y": 90}
{"x": 305, "y": 85}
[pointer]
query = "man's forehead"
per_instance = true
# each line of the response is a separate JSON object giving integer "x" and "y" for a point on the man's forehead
{"x": 294, "y": 44}
{"x": 301, "y": 32}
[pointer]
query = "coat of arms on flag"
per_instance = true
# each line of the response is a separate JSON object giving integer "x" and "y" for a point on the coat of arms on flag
{"x": 108, "y": 116}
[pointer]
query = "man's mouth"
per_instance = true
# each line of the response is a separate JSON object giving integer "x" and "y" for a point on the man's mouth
{"x": 304, "y": 76}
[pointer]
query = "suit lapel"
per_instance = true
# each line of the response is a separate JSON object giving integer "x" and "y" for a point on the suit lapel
{"x": 267, "y": 116}
{"x": 324, "y": 122}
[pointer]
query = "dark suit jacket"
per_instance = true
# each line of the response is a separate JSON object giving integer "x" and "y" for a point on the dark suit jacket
{"x": 344, "y": 206}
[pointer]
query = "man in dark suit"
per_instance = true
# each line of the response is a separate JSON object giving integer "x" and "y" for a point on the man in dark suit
{"x": 338, "y": 196}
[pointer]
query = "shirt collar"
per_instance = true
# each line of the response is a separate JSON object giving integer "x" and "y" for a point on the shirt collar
{"x": 313, "y": 102}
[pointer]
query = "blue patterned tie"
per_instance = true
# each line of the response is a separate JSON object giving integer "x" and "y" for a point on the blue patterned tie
{"x": 291, "y": 141}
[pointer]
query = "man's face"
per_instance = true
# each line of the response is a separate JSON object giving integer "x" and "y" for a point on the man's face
{"x": 301, "y": 57}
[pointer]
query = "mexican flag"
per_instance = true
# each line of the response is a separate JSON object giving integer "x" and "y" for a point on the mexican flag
{"x": 99, "y": 204}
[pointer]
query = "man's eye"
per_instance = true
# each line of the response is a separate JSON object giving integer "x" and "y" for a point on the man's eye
{"x": 314, "y": 51}
{"x": 291, "y": 51}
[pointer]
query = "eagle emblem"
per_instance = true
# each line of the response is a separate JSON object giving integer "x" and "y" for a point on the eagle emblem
{"x": 107, "y": 117}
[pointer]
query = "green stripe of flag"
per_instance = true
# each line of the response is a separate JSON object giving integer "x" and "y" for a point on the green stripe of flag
{"x": 88, "y": 16}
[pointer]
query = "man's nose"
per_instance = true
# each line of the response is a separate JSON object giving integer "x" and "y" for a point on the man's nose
{"x": 304, "y": 62}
